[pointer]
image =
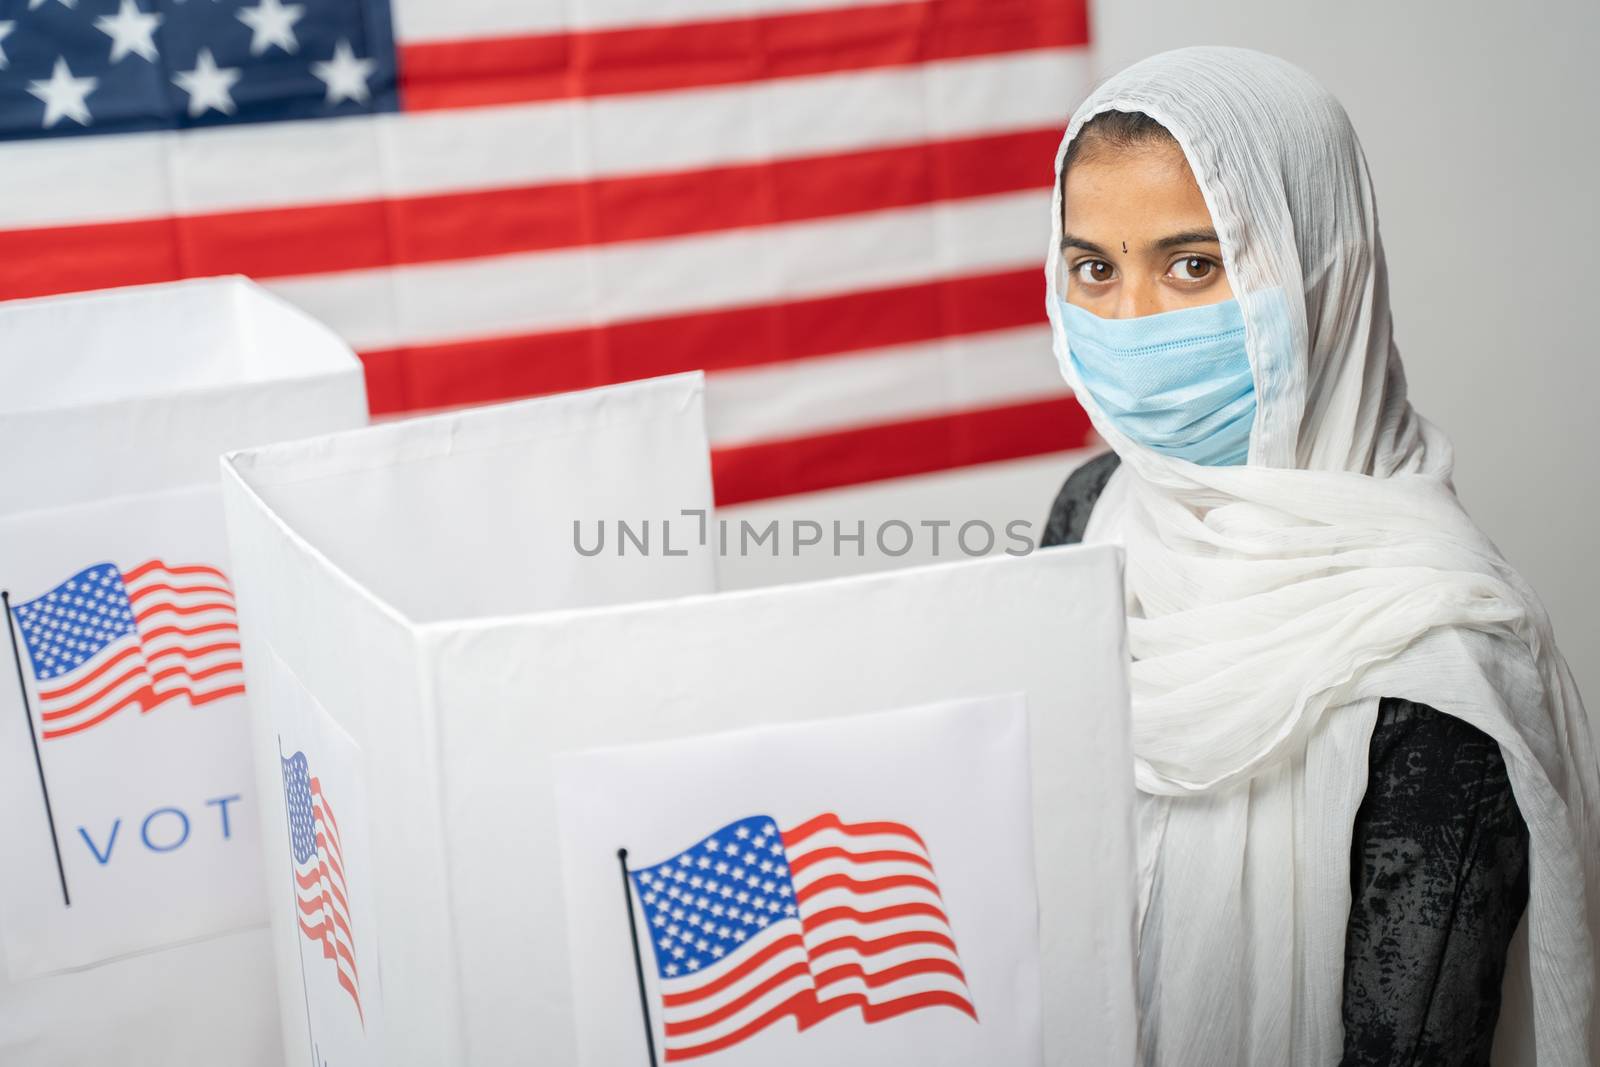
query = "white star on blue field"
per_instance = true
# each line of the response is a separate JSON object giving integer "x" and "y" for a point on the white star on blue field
{"x": 74, "y": 67}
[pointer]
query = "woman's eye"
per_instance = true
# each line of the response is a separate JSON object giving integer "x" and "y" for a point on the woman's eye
{"x": 1192, "y": 269}
{"x": 1094, "y": 271}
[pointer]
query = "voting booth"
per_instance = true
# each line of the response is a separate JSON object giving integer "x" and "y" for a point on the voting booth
{"x": 900, "y": 804}
{"x": 131, "y": 909}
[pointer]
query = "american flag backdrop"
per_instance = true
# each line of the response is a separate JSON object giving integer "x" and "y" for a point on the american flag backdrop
{"x": 105, "y": 641}
{"x": 839, "y": 210}
{"x": 753, "y": 925}
{"x": 321, "y": 896}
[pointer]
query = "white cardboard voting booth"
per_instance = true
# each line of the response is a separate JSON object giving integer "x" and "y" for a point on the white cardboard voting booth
{"x": 131, "y": 911}
{"x": 424, "y": 642}
{"x": 351, "y": 545}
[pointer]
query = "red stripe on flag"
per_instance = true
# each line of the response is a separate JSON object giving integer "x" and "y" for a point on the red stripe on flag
{"x": 877, "y": 1013}
{"x": 200, "y": 675}
{"x": 193, "y": 652}
{"x": 322, "y": 933}
{"x": 158, "y": 587}
{"x": 324, "y": 238}
{"x": 833, "y": 852}
{"x": 787, "y": 943}
{"x": 156, "y": 565}
{"x": 179, "y": 609}
{"x": 197, "y": 699}
{"x": 51, "y": 712}
{"x": 331, "y": 857}
{"x": 876, "y": 979}
{"x": 466, "y": 372}
{"x": 744, "y": 473}
{"x": 61, "y": 691}
{"x": 795, "y": 1005}
{"x": 863, "y": 888}
{"x": 876, "y": 915}
{"x": 64, "y": 731}
{"x": 197, "y": 631}
{"x": 830, "y": 821}
{"x": 644, "y": 59}
{"x": 878, "y": 945}
{"x": 737, "y": 1004}
{"x": 327, "y": 809}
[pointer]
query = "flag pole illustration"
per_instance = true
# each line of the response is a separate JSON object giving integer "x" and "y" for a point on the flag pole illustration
{"x": 752, "y": 925}
{"x": 27, "y": 708}
{"x": 638, "y": 961}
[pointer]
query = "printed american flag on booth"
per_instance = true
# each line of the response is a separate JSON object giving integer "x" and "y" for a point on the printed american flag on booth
{"x": 837, "y": 208}
{"x": 105, "y": 641}
{"x": 322, "y": 900}
{"x": 753, "y": 925}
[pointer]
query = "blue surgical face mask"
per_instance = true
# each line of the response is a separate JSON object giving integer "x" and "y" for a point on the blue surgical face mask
{"x": 1178, "y": 383}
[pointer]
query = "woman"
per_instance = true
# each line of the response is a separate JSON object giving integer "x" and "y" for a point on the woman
{"x": 1357, "y": 748}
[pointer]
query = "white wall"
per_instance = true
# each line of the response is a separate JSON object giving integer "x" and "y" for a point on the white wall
{"x": 1479, "y": 125}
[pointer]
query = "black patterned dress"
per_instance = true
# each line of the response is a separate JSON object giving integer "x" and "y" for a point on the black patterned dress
{"x": 1438, "y": 870}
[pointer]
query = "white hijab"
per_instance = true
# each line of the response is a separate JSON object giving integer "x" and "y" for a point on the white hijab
{"x": 1271, "y": 605}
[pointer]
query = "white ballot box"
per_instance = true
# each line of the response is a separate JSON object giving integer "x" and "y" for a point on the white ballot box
{"x": 132, "y": 918}
{"x": 470, "y": 719}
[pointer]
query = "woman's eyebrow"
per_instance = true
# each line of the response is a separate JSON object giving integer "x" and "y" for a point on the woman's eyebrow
{"x": 1070, "y": 241}
{"x": 1187, "y": 237}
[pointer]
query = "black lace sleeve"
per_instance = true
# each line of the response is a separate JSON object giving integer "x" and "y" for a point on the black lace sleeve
{"x": 1069, "y": 514}
{"x": 1439, "y": 880}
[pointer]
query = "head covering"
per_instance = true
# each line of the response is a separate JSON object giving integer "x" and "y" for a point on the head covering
{"x": 1271, "y": 605}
